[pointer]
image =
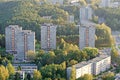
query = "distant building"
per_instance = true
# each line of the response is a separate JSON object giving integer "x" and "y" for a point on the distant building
{"x": 19, "y": 42}
{"x": 48, "y": 36}
{"x": 27, "y": 68}
{"x": 94, "y": 66}
{"x": 10, "y": 35}
{"x": 86, "y": 36}
{"x": 71, "y": 18}
{"x": 85, "y": 14}
{"x": 55, "y": 2}
{"x": 25, "y": 42}
{"x": 105, "y": 3}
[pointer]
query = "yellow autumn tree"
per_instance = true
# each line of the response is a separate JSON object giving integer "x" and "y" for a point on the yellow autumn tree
{"x": 4, "y": 75}
{"x": 37, "y": 75}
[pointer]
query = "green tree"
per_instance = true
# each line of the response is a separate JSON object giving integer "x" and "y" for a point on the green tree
{"x": 17, "y": 76}
{"x": 108, "y": 76}
{"x": 104, "y": 37}
{"x": 31, "y": 55}
{"x": 2, "y": 41}
{"x": 91, "y": 52}
{"x": 73, "y": 73}
{"x": 11, "y": 70}
{"x": 86, "y": 77}
{"x": 114, "y": 54}
{"x": 37, "y": 75}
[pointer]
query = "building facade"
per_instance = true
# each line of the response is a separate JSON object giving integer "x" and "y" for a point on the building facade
{"x": 48, "y": 36}
{"x": 10, "y": 35}
{"x": 19, "y": 42}
{"x": 55, "y": 1}
{"x": 85, "y": 14}
{"x": 94, "y": 66}
{"x": 25, "y": 42}
{"x": 105, "y": 3}
{"x": 86, "y": 36}
{"x": 27, "y": 68}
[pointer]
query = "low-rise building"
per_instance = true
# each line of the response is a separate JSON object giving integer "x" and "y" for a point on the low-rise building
{"x": 27, "y": 68}
{"x": 101, "y": 64}
{"x": 94, "y": 66}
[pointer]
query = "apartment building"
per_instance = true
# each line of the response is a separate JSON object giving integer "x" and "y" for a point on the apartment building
{"x": 94, "y": 66}
{"x": 85, "y": 14}
{"x": 48, "y": 36}
{"x": 19, "y": 42}
{"x": 86, "y": 36}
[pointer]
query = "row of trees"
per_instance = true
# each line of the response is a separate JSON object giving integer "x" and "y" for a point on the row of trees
{"x": 66, "y": 52}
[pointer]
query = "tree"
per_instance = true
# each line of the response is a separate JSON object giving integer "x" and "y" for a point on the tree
{"x": 114, "y": 54}
{"x": 108, "y": 76}
{"x": 47, "y": 79}
{"x": 17, "y": 76}
{"x": 37, "y": 75}
{"x": 30, "y": 55}
{"x": 11, "y": 70}
{"x": 104, "y": 37}
{"x": 86, "y": 77}
{"x": 4, "y": 75}
{"x": 72, "y": 62}
{"x": 53, "y": 71}
{"x": 91, "y": 52}
{"x": 73, "y": 73}
{"x": 28, "y": 76}
{"x": 2, "y": 40}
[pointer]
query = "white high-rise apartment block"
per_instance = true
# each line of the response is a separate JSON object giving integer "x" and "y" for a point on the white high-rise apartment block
{"x": 48, "y": 36}
{"x": 85, "y": 14}
{"x": 25, "y": 42}
{"x": 86, "y": 36}
{"x": 10, "y": 34}
{"x": 19, "y": 42}
{"x": 105, "y": 3}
